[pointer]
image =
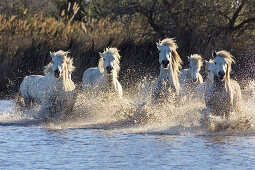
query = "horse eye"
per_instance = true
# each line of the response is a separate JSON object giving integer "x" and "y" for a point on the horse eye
{"x": 104, "y": 59}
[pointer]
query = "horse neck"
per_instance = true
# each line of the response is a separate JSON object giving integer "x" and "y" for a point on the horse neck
{"x": 222, "y": 84}
{"x": 168, "y": 76}
{"x": 65, "y": 81}
{"x": 50, "y": 74}
{"x": 188, "y": 75}
{"x": 110, "y": 79}
{"x": 208, "y": 81}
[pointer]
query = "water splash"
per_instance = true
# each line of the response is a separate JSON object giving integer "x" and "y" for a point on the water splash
{"x": 135, "y": 114}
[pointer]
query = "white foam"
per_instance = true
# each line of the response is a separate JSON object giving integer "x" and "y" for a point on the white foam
{"x": 135, "y": 114}
{"x": 7, "y": 106}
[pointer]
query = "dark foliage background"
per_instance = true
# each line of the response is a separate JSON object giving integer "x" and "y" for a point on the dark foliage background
{"x": 29, "y": 29}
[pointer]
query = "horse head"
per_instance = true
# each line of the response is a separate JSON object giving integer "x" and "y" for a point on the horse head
{"x": 59, "y": 63}
{"x": 222, "y": 62}
{"x": 109, "y": 61}
{"x": 210, "y": 69}
{"x": 165, "y": 55}
{"x": 195, "y": 64}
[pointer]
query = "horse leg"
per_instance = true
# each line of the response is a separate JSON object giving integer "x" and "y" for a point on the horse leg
{"x": 27, "y": 101}
{"x": 45, "y": 111}
{"x": 227, "y": 113}
{"x": 69, "y": 104}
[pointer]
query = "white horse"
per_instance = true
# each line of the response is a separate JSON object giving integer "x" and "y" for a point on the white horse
{"x": 223, "y": 95}
{"x": 105, "y": 76}
{"x": 200, "y": 89}
{"x": 54, "y": 91}
{"x": 190, "y": 78}
{"x": 167, "y": 84}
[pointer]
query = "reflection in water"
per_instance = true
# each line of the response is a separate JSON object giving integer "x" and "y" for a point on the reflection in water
{"x": 38, "y": 148}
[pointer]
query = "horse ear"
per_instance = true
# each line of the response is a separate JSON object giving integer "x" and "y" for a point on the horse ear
{"x": 101, "y": 54}
{"x": 214, "y": 54}
{"x": 158, "y": 45}
{"x": 51, "y": 54}
{"x": 206, "y": 63}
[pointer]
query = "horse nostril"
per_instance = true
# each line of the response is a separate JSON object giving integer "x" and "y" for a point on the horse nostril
{"x": 109, "y": 69}
{"x": 57, "y": 72}
{"x": 221, "y": 74}
{"x": 165, "y": 62}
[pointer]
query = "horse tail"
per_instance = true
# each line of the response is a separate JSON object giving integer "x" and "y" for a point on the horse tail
{"x": 23, "y": 90}
{"x": 19, "y": 99}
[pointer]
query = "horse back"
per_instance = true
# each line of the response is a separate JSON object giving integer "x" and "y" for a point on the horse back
{"x": 183, "y": 75}
{"x": 200, "y": 90}
{"x": 91, "y": 76}
{"x": 28, "y": 87}
{"x": 28, "y": 81}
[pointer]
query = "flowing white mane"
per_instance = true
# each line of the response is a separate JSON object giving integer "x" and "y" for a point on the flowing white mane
{"x": 48, "y": 69}
{"x": 226, "y": 55}
{"x": 115, "y": 53}
{"x": 170, "y": 42}
{"x": 196, "y": 59}
{"x": 210, "y": 62}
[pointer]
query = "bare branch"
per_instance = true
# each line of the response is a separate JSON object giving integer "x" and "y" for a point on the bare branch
{"x": 235, "y": 16}
{"x": 243, "y": 23}
{"x": 224, "y": 15}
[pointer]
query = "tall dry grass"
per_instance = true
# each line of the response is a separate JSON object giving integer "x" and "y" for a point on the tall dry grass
{"x": 25, "y": 44}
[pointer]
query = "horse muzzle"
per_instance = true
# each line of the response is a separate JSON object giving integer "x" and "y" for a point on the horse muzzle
{"x": 194, "y": 80}
{"x": 221, "y": 75}
{"x": 57, "y": 73}
{"x": 109, "y": 70}
{"x": 165, "y": 63}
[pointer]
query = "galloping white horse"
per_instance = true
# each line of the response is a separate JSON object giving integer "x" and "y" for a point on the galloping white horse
{"x": 200, "y": 89}
{"x": 105, "y": 76}
{"x": 223, "y": 95}
{"x": 190, "y": 78}
{"x": 167, "y": 84}
{"x": 55, "y": 90}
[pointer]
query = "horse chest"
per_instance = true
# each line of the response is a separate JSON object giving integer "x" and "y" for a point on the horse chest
{"x": 165, "y": 88}
{"x": 166, "y": 84}
{"x": 220, "y": 98}
{"x": 108, "y": 85}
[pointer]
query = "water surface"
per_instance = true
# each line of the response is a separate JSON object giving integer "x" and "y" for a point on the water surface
{"x": 105, "y": 133}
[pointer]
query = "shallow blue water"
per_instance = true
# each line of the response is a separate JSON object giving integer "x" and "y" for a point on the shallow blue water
{"x": 36, "y": 148}
{"x": 100, "y": 139}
